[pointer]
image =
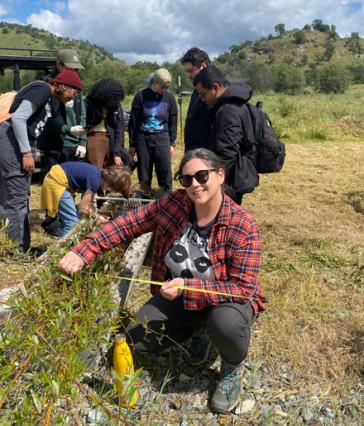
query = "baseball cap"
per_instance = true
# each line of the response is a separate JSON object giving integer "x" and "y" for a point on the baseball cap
{"x": 69, "y": 78}
{"x": 69, "y": 58}
{"x": 162, "y": 76}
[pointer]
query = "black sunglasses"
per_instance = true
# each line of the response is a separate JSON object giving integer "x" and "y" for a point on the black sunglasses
{"x": 202, "y": 176}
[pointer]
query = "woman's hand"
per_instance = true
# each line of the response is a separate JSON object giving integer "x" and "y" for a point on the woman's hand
{"x": 102, "y": 218}
{"x": 71, "y": 263}
{"x": 171, "y": 150}
{"x": 118, "y": 161}
{"x": 169, "y": 290}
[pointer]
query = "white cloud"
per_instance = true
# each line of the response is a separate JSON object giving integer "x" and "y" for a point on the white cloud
{"x": 47, "y": 20}
{"x": 3, "y": 11}
{"x": 160, "y": 30}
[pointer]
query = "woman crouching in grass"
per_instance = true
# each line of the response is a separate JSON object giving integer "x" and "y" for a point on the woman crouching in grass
{"x": 203, "y": 241}
{"x": 63, "y": 180}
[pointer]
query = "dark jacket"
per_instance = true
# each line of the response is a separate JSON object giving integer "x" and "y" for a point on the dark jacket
{"x": 114, "y": 123}
{"x": 52, "y": 138}
{"x": 197, "y": 126}
{"x": 232, "y": 138}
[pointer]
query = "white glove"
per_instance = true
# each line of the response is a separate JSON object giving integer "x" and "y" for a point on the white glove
{"x": 78, "y": 130}
{"x": 80, "y": 151}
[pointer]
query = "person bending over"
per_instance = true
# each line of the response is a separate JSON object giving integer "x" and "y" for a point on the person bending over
{"x": 29, "y": 111}
{"x": 63, "y": 180}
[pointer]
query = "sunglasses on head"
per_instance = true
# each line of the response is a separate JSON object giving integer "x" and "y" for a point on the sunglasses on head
{"x": 202, "y": 176}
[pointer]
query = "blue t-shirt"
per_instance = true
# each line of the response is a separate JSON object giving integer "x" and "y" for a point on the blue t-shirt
{"x": 82, "y": 176}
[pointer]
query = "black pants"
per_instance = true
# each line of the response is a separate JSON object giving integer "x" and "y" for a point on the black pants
{"x": 53, "y": 157}
{"x": 228, "y": 325}
{"x": 154, "y": 149}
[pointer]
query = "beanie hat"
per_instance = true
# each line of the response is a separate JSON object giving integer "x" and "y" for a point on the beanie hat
{"x": 69, "y": 58}
{"x": 162, "y": 76}
{"x": 69, "y": 78}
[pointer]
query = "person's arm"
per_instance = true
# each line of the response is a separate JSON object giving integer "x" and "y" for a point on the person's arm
{"x": 116, "y": 120}
{"x": 250, "y": 143}
{"x": 83, "y": 138}
{"x": 242, "y": 259}
{"x": 115, "y": 232}
{"x": 85, "y": 205}
{"x": 19, "y": 123}
{"x": 228, "y": 134}
{"x": 172, "y": 121}
{"x": 134, "y": 119}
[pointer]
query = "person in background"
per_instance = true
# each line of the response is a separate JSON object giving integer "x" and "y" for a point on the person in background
{"x": 63, "y": 180}
{"x": 231, "y": 135}
{"x": 105, "y": 124}
{"x": 153, "y": 130}
{"x": 203, "y": 241}
{"x": 199, "y": 115}
{"x": 29, "y": 111}
{"x": 64, "y": 137}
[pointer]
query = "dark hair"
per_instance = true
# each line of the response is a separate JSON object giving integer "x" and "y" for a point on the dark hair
{"x": 207, "y": 156}
{"x": 108, "y": 93}
{"x": 195, "y": 56}
{"x": 210, "y": 75}
{"x": 118, "y": 179}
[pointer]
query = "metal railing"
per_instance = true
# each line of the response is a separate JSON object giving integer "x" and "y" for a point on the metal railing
{"x": 30, "y": 50}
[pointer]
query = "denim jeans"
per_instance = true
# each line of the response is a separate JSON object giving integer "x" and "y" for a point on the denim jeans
{"x": 14, "y": 188}
{"x": 67, "y": 212}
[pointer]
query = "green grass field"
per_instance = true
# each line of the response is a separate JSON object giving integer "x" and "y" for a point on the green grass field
{"x": 312, "y": 220}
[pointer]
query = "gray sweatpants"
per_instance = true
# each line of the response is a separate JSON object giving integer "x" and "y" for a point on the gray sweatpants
{"x": 228, "y": 325}
{"x": 14, "y": 188}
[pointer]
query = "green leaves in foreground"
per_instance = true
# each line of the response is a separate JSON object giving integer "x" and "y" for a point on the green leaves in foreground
{"x": 53, "y": 320}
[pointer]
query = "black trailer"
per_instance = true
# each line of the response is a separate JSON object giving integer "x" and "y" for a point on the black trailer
{"x": 26, "y": 62}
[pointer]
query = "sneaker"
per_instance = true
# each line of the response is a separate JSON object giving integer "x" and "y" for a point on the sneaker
{"x": 199, "y": 350}
{"x": 226, "y": 395}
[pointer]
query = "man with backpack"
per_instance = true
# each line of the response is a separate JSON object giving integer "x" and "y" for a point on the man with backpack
{"x": 64, "y": 137}
{"x": 231, "y": 134}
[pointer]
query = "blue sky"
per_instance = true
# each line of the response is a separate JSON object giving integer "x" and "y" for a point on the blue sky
{"x": 159, "y": 30}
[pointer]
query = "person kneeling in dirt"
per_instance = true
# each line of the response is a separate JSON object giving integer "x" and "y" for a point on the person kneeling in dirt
{"x": 207, "y": 253}
{"x": 63, "y": 180}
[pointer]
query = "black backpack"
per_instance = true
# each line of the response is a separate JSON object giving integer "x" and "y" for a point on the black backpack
{"x": 271, "y": 151}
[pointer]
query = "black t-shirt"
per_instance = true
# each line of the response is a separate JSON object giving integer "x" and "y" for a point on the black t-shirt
{"x": 39, "y": 94}
{"x": 152, "y": 112}
{"x": 198, "y": 122}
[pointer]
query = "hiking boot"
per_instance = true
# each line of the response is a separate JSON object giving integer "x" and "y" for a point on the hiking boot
{"x": 226, "y": 395}
{"x": 199, "y": 349}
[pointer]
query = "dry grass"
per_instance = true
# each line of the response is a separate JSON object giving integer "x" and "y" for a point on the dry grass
{"x": 313, "y": 268}
{"x": 312, "y": 272}
{"x": 312, "y": 222}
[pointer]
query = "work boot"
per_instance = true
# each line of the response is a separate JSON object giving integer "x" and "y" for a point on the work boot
{"x": 226, "y": 395}
{"x": 199, "y": 348}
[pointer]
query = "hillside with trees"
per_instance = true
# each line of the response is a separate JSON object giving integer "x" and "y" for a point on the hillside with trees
{"x": 301, "y": 60}
{"x": 293, "y": 61}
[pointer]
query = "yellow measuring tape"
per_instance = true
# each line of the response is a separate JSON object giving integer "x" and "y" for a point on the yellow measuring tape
{"x": 198, "y": 290}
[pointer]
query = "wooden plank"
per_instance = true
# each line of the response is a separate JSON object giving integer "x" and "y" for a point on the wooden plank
{"x": 131, "y": 263}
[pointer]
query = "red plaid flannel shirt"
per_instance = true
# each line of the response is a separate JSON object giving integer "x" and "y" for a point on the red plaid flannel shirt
{"x": 234, "y": 248}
